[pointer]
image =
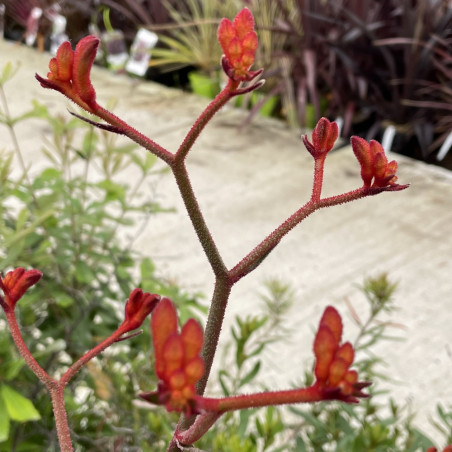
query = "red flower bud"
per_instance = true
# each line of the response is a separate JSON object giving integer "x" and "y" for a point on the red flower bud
{"x": 332, "y": 367}
{"x": 84, "y": 55}
{"x": 177, "y": 361}
{"x": 239, "y": 43}
{"x": 324, "y": 136}
{"x": 138, "y": 307}
{"x": 376, "y": 172}
{"x": 362, "y": 152}
{"x": 16, "y": 283}
{"x": 70, "y": 72}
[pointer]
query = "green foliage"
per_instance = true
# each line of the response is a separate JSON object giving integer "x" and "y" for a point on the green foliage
{"x": 193, "y": 41}
{"x": 67, "y": 220}
{"x": 368, "y": 426}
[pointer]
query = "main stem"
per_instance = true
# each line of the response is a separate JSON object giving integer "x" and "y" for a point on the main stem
{"x": 59, "y": 410}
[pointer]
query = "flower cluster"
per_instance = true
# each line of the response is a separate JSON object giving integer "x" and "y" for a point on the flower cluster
{"x": 376, "y": 171}
{"x": 332, "y": 368}
{"x": 239, "y": 43}
{"x": 16, "y": 283}
{"x": 177, "y": 362}
{"x": 70, "y": 72}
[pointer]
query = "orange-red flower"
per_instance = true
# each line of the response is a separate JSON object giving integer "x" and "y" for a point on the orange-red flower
{"x": 324, "y": 136}
{"x": 376, "y": 171}
{"x": 177, "y": 362}
{"x": 434, "y": 449}
{"x": 239, "y": 43}
{"x": 70, "y": 72}
{"x": 16, "y": 283}
{"x": 333, "y": 360}
{"x": 139, "y": 305}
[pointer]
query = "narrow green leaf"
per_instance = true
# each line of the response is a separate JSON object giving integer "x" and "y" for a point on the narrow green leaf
{"x": 251, "y": 374}
{"x": 83, "y": 273}
{"x": 17, "y": 406}
{"x": 24, "y": 232}
{"x": 4, "y": 421}
{"x": 13, "y": 369}
{"x": 8, "y": 72}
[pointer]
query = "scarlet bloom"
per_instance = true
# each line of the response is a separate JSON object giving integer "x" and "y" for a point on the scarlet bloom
{"x": 177, "y": 361}
{"x": 70, "y": 72}
{"x": 16, "y": 283}
{"x": 139, "y": 305}
{"x": 239, "y": 43}
{"x": 434, "y": 449}
{"x": 333, "y": 360}
{"x": 324, "y": 136}
{"x": 376, "y": 171}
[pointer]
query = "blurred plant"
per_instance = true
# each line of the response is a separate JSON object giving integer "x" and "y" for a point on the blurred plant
{"x": 374, "y": 64}
{"x": 192, "y": 40}
{"x": 140, "y": 13}
{"x": 371, "y": 425}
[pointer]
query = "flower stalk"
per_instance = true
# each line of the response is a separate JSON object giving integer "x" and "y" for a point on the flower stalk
{"x": 184, "y": 356}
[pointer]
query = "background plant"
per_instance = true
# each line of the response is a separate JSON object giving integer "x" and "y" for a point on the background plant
{"x": 192, "y": 40}
{"x": 378, "y": 424}
{"x": 373, "y": 64}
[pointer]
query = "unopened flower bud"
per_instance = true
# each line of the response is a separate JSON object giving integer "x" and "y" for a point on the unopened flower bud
{"x": 17, "y": 282}
{"x": 139, "y": 305}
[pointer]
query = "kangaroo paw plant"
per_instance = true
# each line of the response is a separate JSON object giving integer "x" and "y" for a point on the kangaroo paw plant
{"x": 184, "y": 356}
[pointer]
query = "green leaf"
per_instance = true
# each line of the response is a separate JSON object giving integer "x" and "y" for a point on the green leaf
{"x": 83, "y": 273}
{"x": 89, "y": 143}
{"x": 17, "y": 406}
{"x": 4, "y": 421}
{"x": 113, "y": 192}
{"x": 13, "y": 239}
{"x": 222, "y": 376}
{"x": 64, "y": 300}
{"x": 8, "y": 72}
{"x": 13, "y": 369}
{"x": 22, "y": 218}
{"x": 251, "y": 374}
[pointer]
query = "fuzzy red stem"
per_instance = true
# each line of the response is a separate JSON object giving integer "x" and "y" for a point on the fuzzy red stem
{"x": 64, "y": 380}
{"x": 55, "y": 388}
{"x": 318, "y": 177}
{"x": 214, "y": 408}
{"x": 220, "y": 100}
{"x": 249, "y": 262}
{"x": 43, "y": 376}
{"x": 134, "y": 135}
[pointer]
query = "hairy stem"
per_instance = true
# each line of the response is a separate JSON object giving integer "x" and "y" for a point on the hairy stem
{"x": 24, "y": 351}
{"x": 214, "y": 324}
{"x": 134, "y": 135}
{"x": 214, "y": 408}
{"x": 59, "y": 410}
{"x": 90, "y": 355}
{"x": 261, "y": 251}
{"x": 220, "y": 100}
{"x": 197, "y": 219}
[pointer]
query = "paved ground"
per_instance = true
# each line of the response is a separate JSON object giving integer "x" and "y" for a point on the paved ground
{"x": 247, "y": 183}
